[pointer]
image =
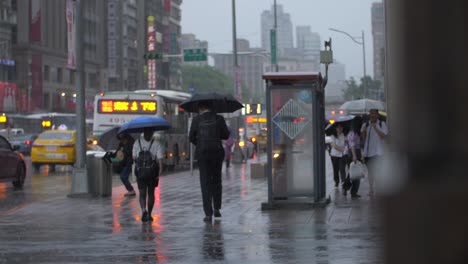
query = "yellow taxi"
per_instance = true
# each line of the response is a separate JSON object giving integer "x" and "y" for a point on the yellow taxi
{"x": 54, "y": 147}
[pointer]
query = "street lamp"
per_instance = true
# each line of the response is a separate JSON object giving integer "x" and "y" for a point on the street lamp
{"x": 362, "y": 42}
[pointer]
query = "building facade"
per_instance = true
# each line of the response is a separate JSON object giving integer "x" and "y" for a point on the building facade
{"x": 284, "y": 33}
{"x": 11, "y": 99}
{"x": 167, "y": 25}
{"x": 251, "y": 63}
{"x": 122, "y": 43}
{"x": 334, "y": 92}
{"x": 378, "y": 34}
{"x": 41, "y": 53}
{"x": 309, "y": 42}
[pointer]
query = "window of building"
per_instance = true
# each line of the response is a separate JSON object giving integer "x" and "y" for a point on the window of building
{"x": 59, "y": 75}
{"x": 71, "y": 79}
{"x": 46, "y": 72}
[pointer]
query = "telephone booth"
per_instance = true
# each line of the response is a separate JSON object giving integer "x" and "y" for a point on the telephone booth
{"x": 296, "y": 140}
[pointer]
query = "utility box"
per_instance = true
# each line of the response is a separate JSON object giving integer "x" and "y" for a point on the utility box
{"x": 99, "y": 170}
{"x": 257, "y": 170}
{"x": 296, "y": 140}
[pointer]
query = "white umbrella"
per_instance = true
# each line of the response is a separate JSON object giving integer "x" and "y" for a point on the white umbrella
{"x": 362, "y": 106}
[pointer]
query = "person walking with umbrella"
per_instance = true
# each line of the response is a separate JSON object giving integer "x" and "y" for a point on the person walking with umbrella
{"x": 148, "y": 184}
{"x": 124, "y": 155}
{"x": 206, "y": 132}
{"x": 148, "y": 156}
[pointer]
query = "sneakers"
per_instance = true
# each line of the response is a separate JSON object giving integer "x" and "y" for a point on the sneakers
{"x": 150, "y": 218}
{"x": 355, "y": 196}
{"x": 217, "y": 213}
{"x": 144, "y": 217}
{"x": 131, "y": 193}
{"x": 207, "y": 219}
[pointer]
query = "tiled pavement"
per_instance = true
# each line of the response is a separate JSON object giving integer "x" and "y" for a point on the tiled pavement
{"x": 109, "y": 230}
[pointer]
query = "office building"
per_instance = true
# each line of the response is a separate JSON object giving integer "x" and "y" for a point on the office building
{"x": 284, "y": 33}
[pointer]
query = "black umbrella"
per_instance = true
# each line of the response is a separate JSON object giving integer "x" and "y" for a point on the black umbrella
{"x": 219, "y": 103}
{"x": 108, "y": 139}
{"x": 344, "y": 120}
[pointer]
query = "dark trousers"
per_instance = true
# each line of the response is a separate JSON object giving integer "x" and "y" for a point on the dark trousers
{"x": 339, "y": 169}
{"x": 124, "y": 175}
{"x": 210, "y": 182}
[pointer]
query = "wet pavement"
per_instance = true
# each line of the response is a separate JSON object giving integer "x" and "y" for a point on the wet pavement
{"x": 50, "y": 228}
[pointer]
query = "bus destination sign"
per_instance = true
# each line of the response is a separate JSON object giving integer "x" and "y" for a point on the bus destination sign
{"x": 110, "y": 106}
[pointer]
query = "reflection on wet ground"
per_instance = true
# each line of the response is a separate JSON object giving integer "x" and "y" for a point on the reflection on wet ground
{"x": 50, "y": 228}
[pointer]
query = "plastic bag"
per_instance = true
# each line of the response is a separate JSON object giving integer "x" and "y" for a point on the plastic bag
{"x": 357, "y": 170}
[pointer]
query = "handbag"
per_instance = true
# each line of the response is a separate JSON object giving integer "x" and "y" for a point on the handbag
{"x": 120, "y": 155}
{"x": 357, "y": 170}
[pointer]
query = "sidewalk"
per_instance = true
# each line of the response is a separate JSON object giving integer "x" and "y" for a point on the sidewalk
{"x": 109, "y": 230}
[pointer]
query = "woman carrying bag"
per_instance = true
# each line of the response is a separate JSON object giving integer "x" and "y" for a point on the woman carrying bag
{"x": 354, "y": 154}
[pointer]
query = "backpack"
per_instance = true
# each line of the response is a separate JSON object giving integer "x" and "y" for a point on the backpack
{"x": 145, "y": 165}
{"x": 208, "y": 136}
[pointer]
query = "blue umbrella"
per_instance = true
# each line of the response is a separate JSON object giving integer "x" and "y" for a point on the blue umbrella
{"x": 138, "y": 124}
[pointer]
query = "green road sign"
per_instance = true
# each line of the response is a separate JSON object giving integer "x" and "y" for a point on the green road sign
{"x": 273, "y": 46}
{"x": 153, "y": 56}
{"x": 195, "y": 55}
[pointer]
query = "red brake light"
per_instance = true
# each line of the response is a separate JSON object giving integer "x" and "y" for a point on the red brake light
{"x": 333, "y": 112}
{"x": 27, "y": 142}
{"x": 341, "y": 112}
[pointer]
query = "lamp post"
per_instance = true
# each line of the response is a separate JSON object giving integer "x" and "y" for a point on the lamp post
{"x": 363, "y": 44}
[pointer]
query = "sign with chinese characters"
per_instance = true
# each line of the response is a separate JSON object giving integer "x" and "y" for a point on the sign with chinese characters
{"x": 127, "y": 107}
{"x": 151, "y": 48}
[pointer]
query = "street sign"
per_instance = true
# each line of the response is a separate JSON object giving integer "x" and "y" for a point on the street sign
{"x": 195, "y": 55}
{"x": 153, "y": 56}
{"x": 273, "y": 46}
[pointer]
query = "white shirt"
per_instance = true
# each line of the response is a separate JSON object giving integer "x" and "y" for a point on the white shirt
{"x": 156, "y": 148}
{"x": 373, "y": 144}
{"x": 339, "y": 142}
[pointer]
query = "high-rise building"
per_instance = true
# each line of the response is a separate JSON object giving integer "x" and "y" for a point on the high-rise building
{"x": 284, "y": 34}
{"x": 336, "y": 82}
{"x": 167, "y": 18}
{"x": 8, "y": 29}
{"x": 309, "y": 43}
{"x": 378, "y": 33}
{"x": 122, "y": 28}
{"x": 251, "y": 63}
{"x": 190, "y": 41}
{"x": 41, "y": 54}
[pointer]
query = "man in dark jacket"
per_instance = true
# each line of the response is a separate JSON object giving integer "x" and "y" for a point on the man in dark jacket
{"x": 124, "y": 154}
{"x": 206, "y": 132}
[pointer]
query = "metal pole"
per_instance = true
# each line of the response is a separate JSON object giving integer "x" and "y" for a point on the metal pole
{"x": 80, "y": 180}
{"x": 276, "y": 33}
{"x": 236, "y": 63}
{"x": 234, "y": 37}
{"x": 364, "y": 63}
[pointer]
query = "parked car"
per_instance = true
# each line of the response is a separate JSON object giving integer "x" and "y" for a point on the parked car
{"x": 24, "y": 142}
{"x": 12, "y": 163}
{"x": 54, "y": 147}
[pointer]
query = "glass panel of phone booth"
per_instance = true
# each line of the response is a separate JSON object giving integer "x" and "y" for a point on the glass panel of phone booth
{"x": 292, "y": 142}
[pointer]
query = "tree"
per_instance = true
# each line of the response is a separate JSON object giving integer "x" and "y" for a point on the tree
{"x": 354, "y": 91}
{"x": 209, "y": 79}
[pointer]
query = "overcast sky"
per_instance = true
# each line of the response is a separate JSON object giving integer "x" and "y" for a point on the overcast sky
{"x": 211, "y": 20}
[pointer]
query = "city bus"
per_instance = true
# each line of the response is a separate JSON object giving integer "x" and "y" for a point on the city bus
{"x": 37, "y": 123}
{"x": 113, "y": 109}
